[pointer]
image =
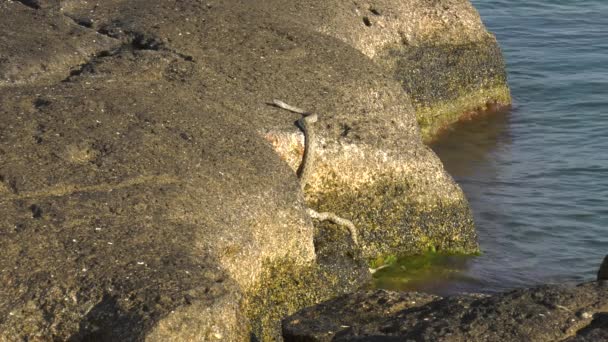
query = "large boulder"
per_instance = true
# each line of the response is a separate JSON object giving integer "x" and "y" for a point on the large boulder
{"x": 602, "y": 273}
{"x": 373, "y": 167}
{"x": 546, "y": 313}
{"x": 145, "y": 183}
{"x": 440, "y": 51}
{"x": 129, "y": 214}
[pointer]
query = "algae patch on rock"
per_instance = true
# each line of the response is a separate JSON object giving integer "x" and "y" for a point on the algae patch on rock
{"x": 424, "y": 272}
{"x": 448, "y": 82}
{"x": 390, "y": 224}
{"x": 285, "y": 288}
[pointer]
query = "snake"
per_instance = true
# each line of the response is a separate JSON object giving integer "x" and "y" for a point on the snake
{"x": 306, "y": 167}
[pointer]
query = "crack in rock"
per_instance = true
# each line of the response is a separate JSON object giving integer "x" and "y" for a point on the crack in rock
{"x": 134, "y": 41}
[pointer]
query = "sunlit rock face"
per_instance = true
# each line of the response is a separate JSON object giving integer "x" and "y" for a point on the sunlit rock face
{"x": 439, "y": 51}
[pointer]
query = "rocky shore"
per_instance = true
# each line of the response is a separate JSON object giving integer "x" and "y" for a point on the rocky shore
{"x": 545, "y": 313}
{"x": 148, "y": 189}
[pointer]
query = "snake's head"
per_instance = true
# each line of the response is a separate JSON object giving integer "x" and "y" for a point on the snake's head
{"x": 311, "y": 118}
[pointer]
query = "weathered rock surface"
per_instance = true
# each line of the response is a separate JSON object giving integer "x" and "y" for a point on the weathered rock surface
{"x": 596, "y": 331}
{"x": 439, "y": 51}
{"x": 372, "y": 167}
{"x": 323, "y": 321}
{"x": 546, "y": 313}
{"x": 140, "y": 194}
{"x": 48, "y": 49}
{"x": 134, "y": 209}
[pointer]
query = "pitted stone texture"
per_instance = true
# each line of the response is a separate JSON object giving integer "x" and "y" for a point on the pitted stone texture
{"x": 323, "y": 321}
{"x": 440, "y": 51}
{"x": 546, "y": 313}
{"x": 160, "y": 144}
{"x": 131, "y": 214}
{"x": 370, "y": 142}
{"x": 42, "y": 46}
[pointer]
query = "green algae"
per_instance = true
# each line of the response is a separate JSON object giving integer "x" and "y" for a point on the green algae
{"x": 449, "y": 81}
{"x": 432, "y": 119}
{"x": 285, "y": 287}
{"x": 409, "y": 273}
{"x": 389, "y": 223}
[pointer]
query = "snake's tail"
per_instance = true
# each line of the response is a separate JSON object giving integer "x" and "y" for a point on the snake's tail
{"x": 337, "y": 220}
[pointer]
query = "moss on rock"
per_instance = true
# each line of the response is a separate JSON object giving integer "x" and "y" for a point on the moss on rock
{"x": 435, "y": 117}
{"x": 285, "y": 288}
{"x": 447, "y": 81}
{"x": 390, "y": 223}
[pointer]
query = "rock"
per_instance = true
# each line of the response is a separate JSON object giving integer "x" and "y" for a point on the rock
{"x": 440, "y": 51}
{"x": 373, "y": 168}
{"x": 546, "y": 313}
{"x": 325, "y": 320}
{"x": 597, "y": 330}
{"x": 148, "y": 190}
{"x": 602, "y": 273}
{"x": 50, "y": 47}
{"x": 133, "y": 214}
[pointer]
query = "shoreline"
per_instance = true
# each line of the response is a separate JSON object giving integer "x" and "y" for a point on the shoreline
{"x": 543, "y": 313}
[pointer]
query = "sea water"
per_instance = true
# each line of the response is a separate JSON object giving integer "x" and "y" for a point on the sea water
{"x": 536, "y": 176}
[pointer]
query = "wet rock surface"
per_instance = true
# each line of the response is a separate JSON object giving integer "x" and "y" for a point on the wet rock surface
{"x": 148, "y": 191}
{"x": 546, "y": 313}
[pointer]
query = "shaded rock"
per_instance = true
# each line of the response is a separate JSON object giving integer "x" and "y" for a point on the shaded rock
{"x": 48, "y": 49}
{"x": 597, "y": 330}
{"x": 546, "y": 313}
{"x": 452, "y": 82}
{"x": 323, "y": 321}
{"x": 281, "y": 293}
{"x": 602, "y": 273}
{"x": 129, "y": 214}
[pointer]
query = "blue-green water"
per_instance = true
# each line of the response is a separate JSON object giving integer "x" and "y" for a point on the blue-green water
{"x": 537, "y": 176}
